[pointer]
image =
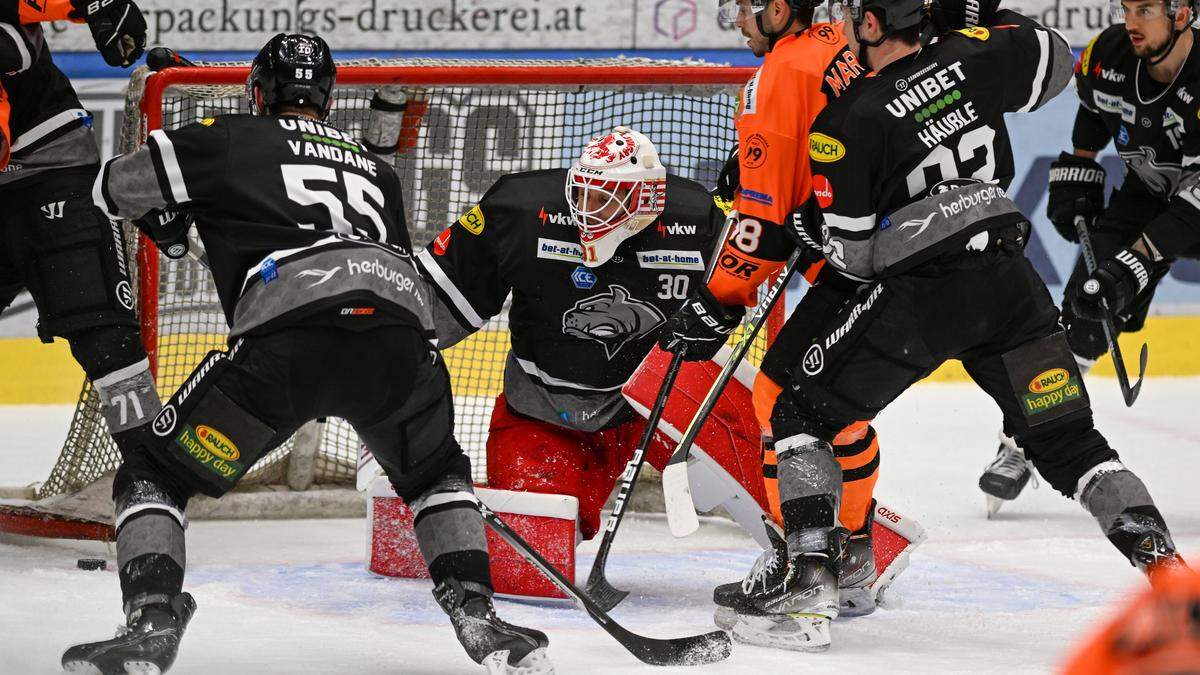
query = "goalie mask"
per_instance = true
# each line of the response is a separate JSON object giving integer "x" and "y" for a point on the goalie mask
{"x": 295, "y": 70}
{"x": 615, "y": 189}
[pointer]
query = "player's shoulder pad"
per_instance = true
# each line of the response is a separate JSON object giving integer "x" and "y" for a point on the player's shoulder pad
{"x": 1112, "y": 43}
{"x": 688, "y": 202}
{"x": 528, "y": 193}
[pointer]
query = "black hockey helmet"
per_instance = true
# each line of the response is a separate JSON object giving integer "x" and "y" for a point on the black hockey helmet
{"x": 728, "y": 10}
{"x": 296, "y": 70}
{"x": 894, "y": 15}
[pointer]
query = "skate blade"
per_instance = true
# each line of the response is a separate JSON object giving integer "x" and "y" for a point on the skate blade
{"x": 856, "y": 601}
{"x": 130, "y": 668}
{"x": 795, "y": 632}
{"x": 725, "y": 618}
{"x": 535, "y": 662}
{"x": 993, "y": 506}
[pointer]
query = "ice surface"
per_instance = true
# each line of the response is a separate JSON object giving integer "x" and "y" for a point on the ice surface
{"x": 1006, "y": 596}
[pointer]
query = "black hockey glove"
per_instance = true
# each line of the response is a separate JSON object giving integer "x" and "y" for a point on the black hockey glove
{"x": 1076, "y": 189}
{"x": 169, "y": 230}
{"x": 700, "y": 327}
{"x": 117, "y": 26}
{"x": 1114, "y": 283}
{"x": 730, "y": 178}
{"x": 948, "y": 15}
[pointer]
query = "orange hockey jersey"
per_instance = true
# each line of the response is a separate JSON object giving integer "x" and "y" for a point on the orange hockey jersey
{"x": 798, "y": 77}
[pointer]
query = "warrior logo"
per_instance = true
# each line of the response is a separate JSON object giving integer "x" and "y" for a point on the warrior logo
{"x": 1161, "y": 178}
{"x": 614, "y": 319}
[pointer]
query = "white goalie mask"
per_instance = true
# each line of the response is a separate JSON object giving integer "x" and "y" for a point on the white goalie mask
{"x": 615, "y": 189}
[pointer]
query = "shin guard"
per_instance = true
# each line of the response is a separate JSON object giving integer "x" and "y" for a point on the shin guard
{"x": 450, "y": 532}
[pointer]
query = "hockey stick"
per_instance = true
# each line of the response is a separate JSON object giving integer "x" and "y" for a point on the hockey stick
{"x": 1110, "y": 332}
{"x": 603, "y": 593}
{"x": 677, "y": 492}
{"x": 692, "y": 650}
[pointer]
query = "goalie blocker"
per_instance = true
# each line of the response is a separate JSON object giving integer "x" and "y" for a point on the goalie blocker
{"x": 725, "y": 471}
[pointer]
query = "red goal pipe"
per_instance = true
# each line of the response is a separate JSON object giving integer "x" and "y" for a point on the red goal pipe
{"x": 516, "y": 76}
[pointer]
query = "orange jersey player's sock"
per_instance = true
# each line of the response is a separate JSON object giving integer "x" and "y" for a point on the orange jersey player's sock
{"x": 856, "y": 449}
{"x": 5, "y": 134}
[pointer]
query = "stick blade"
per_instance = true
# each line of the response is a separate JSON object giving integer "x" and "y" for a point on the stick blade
{"x": 677, "y": 493}
{"x": 603, "y": 593}
{"x": 694, "y": 650}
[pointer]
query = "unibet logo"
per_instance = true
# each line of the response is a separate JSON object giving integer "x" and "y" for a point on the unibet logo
{"x": 217, "y": 443}
{"x": 824, "y": 149}
{"x": 473, "y": 220}
{"x": 1051, "y": 380}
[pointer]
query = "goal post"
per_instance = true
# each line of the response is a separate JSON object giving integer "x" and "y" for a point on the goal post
{"x": 468, "y": 124}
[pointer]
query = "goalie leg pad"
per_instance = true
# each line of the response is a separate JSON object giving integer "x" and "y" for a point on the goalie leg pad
{"x": 451, "y": 535}
{"x": 74, "y": 260}
{"x": 213, "y": 437}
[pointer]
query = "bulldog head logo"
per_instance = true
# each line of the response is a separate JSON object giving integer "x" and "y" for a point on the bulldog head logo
{"x": 613, "y": 319}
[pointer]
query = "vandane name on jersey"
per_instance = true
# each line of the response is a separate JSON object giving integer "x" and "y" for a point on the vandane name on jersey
{"x": 325, "y": 142}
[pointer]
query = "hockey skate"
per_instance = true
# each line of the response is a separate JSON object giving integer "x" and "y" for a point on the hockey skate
{"x": 789, "y": 605}
{"x": 857, "y": 573}
{"x": 1003, "y": 479}
{"x": 856, "y": 577}
{"x": 146, "y": 645}
{"x": 502, "y": 648}
{"x": 1154, "y": 552}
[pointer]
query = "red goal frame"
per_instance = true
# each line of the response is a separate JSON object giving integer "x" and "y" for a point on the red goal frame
{"x": 362, "y": 75}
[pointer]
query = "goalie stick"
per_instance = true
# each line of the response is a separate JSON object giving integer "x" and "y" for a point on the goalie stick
{"x": 603, "y": 593}
{"x": 1110, "y": 333}
{"x": 693, "y": 650}
{"x": 677, "y": 492}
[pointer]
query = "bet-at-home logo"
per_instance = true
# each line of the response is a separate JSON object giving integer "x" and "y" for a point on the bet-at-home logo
{"x": 1051, "y": 389}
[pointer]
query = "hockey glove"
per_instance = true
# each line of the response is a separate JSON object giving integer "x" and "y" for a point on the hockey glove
{"x": 700, "y": 327}
{"x": 948, "y": 15}
{"x": 1114, "y": 283}
{"x": 730, "y": 178}
{"x": 169, "y": 230}
{"x": 1076, "y": 189}
{"x": 117, "y": 26}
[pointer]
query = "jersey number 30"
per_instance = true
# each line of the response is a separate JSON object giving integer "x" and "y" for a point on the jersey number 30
{"x": 297, "y": 179}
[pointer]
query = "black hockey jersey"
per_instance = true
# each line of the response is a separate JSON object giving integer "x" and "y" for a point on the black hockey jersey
{"x": 577, "y": 332}
{"x": 296, "y": 217}
{"x": 49, "y": 128}
{"x": 1155, "y": 126}
{"x": 930, "y": 126}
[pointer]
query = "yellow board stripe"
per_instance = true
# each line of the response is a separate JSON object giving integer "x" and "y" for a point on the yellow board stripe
{"x": 32, "y": 373}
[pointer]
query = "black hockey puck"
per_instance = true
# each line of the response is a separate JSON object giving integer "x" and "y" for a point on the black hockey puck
{"x": 92, "y": 564}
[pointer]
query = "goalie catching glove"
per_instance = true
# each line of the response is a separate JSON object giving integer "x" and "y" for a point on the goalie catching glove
{"x": 1076, "y": 189}
{"x": 1114, "y": 283}
{"x": 117, "y": 26}
{"x": 700, "y": 327}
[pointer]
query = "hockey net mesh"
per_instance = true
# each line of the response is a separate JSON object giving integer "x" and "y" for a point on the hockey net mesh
{"x": 467, "y": 138}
